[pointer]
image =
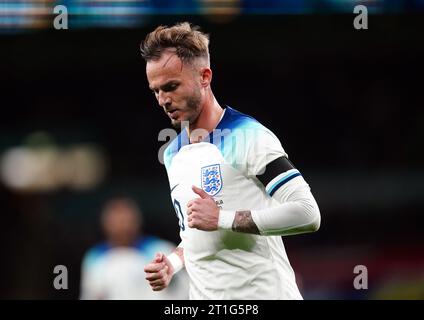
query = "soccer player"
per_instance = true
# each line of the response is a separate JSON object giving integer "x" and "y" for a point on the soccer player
{"x": 113, "y": 269}
{"x": 232, "y": 185}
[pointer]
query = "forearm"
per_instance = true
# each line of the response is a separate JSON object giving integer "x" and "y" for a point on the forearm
{"x": 243, "y": 222}
{"x": 296, "y": 213}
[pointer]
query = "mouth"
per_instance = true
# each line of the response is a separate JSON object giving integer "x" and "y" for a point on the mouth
{"x": 172, "y": 113}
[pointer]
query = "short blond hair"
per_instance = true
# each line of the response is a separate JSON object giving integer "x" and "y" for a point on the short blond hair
{"x": 187, "y": 40}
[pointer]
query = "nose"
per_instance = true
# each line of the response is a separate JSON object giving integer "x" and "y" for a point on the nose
{"x": 163, "y": 99}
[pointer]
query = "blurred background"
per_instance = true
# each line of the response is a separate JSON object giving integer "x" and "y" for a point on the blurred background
{"x": 78, "y": 125}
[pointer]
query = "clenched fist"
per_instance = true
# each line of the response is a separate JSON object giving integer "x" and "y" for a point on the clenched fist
{"x": 159, "y": 272}
{"x": 202, "y": 213}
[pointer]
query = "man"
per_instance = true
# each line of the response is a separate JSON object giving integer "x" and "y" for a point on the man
{"x": 114, "y": 269}
{"x": 232, "y": 185}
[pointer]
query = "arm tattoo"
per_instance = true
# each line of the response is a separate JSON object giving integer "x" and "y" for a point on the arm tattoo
{"x": 243, "y": 222}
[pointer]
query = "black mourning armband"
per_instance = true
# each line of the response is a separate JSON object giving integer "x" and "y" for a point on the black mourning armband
{"x": 279, "y": 172}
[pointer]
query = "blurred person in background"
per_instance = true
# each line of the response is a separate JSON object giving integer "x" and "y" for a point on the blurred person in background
{"x": 114, "y": 269}
{"x": 232, "y": 185}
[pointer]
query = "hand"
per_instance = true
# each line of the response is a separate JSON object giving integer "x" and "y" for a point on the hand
{"x": 202, "y": 213}
{"x": 159, "y": 272}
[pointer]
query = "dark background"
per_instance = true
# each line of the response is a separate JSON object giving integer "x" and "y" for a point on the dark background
{"x": 346, "y": 104}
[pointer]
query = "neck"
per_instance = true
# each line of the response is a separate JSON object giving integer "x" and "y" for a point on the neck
{"x": 208, "y": 119}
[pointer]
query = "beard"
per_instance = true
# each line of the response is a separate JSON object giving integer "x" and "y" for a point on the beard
{"x": 192, "y": 108}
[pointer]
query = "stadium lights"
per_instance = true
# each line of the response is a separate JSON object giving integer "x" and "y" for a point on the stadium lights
{"x": 47, "y": 167}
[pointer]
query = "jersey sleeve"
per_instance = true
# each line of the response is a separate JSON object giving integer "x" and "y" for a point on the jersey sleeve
{"x": 263, "y": 148}
{"x": 269, "y": 163}
{"x": 297, "y": 211}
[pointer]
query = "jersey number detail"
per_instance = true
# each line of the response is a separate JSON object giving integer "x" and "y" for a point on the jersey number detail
{"x": 180, "y": 215}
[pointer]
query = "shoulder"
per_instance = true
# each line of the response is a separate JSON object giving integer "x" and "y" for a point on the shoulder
{"x": 150, "y": 245}
{"x": 234, "y": 119}
{"x": 94, "y": 254}
{"x": 255, "y": 144}
{"x": 249, "y": 133}
{"x": 238, "y": 122}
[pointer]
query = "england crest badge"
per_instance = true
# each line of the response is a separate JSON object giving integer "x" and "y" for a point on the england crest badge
{"x": 212, "y": 179}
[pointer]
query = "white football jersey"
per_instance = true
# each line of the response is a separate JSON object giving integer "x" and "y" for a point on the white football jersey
{"x": 225, "y": 264}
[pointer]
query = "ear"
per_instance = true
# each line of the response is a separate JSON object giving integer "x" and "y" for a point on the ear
{"x": 206, "y": 77}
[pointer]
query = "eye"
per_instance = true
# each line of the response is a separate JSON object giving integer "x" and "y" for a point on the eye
{"x": 170, "y": 87}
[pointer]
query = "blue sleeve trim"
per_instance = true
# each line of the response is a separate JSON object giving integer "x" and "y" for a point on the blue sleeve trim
{"x": 283, "y": 181}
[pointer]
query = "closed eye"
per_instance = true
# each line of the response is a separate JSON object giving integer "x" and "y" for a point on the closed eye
{"x": 169, "y": 87}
